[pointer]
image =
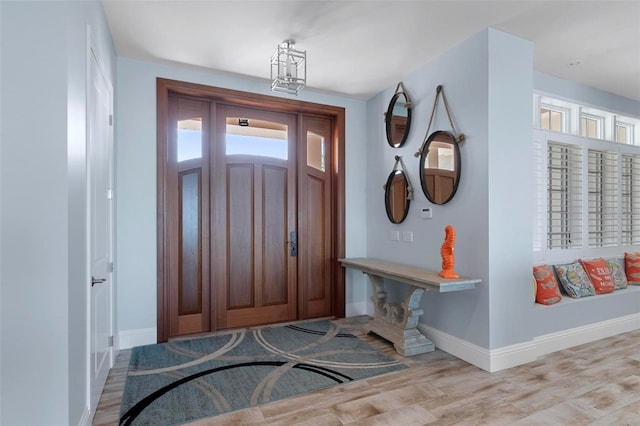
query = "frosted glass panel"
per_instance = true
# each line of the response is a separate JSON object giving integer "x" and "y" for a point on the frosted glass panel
{"x": 190, "y": 300}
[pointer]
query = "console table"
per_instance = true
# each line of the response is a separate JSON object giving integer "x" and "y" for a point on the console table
{"x": 397, "y": 322}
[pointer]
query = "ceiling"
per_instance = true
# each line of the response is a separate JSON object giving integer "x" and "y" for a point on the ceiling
{"x": 359, "y": 48}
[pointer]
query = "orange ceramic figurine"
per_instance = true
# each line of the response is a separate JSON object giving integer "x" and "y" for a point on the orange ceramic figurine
{"x": 448, "y": 257}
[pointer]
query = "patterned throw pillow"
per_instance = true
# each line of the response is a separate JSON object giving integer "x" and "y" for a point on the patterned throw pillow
{"x": 632, "y": 267}
{"x": 574, "y": 280}
{"x": 547, "y": 291}
{"x": 616, "y": 267}
{"x": 599, "y": 274}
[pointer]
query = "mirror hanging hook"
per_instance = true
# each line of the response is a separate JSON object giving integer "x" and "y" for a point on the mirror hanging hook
{"x": 400, "y": 89}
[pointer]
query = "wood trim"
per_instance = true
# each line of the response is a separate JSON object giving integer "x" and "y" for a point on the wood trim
{"x": 162, "y": 102}
{"x": 240, "y": 98}
{"x": 339, "y": 191}
{"x": 220, "y": 95}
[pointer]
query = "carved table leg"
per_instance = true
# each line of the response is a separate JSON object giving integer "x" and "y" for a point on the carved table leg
{"x": 398, "y": 322}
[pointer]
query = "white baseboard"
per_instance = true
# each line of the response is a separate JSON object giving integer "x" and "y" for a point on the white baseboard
{"x": 457, "y": 347}
{"x": 522, "y": 353}
{"x": 142, "y": 336}
{"x": 553, "y": 342}
{"x": 86, "y": 418}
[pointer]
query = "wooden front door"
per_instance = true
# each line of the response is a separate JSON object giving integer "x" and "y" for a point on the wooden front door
{"x": 254, "y": 234}
{"x": 250, "y": 209}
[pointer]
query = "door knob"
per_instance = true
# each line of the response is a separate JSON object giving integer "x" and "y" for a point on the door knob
{"x": 95, "y": 281}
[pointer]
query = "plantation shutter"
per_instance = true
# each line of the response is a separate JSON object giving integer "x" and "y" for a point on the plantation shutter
{"x": 630, "y": 199}
{"x": 540, "y": 194}
{"x": 564, "y": 196}
{"x": 603, "y": 198}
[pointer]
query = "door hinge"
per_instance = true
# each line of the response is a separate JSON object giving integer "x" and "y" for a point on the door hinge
{"x": 110, "y": 119}
{"x": 110, "y": 267}
{"x": 110, "y": 341}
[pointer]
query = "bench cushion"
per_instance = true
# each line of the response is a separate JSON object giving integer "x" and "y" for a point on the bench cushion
{"x": 599, "y": 275}
{"x": 632, "y": 267}
{"x": 547, "y": 291}
{"x": 616, "y": 267}
{"x": 574, "y": 280}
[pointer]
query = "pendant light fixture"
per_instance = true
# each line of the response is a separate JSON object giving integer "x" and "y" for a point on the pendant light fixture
{"x": 288, "y": 68}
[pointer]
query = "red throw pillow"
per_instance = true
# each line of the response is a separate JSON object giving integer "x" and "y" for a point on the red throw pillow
{"x": 547, "y": 291}
{"x": 632, "y": 267}
{"x": 599, "y": 274}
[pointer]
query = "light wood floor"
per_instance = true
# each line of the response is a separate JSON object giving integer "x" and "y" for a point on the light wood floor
{"x": 593, "y": 384}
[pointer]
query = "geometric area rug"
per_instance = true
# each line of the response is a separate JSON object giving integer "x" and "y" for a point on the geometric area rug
{"x": 183, "y": 380}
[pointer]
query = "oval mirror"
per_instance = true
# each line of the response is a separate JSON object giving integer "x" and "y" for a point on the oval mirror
{"x": 440, "y": 167}
{"x": 398, "y": 119}
{"x": 396, "y": 196}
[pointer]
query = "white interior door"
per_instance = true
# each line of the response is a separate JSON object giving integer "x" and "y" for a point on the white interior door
{"x": 100, "y": 199}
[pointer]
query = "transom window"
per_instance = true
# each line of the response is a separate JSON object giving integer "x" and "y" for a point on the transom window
{"x": 624, "y": 132}
{"x": 552, "y": 118}
{"x": 591, "y": 126}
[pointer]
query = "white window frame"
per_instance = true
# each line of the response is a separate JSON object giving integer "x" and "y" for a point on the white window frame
{"x": 599, "y": 125}
{"x": 628, "y": 126}
{"x": 573, "y": 112}
{"x": 566, "y": 113}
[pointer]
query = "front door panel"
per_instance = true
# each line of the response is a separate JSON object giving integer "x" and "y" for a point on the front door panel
{"x": 254, "y": 275}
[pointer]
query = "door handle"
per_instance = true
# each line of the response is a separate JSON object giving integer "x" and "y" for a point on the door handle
{"x": 293, "y": 241}
{"x": 95, "y": 281}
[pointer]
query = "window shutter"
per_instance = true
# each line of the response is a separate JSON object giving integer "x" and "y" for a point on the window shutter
{"x": 564, "y": 196}
{"x": 603, "y": 198}
{"x": 540, "y": 194}
{"x": 630, "y": 199}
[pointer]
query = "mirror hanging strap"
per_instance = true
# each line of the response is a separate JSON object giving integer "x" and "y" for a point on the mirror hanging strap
{"x": 400, "y": 163}
{"x": 459, "y": 137}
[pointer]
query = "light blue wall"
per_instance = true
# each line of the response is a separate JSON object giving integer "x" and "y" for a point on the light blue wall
{"x": 510, "y": 188}
{"x": 570, "y": 90}
{"x": 136, "y": 182}
{"x": 487, "y": 80}
{"x": 43, "y": 294}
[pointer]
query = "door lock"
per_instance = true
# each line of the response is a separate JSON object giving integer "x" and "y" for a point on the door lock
{"x": 293, "y": 241}
{"x": 95, "y": 281}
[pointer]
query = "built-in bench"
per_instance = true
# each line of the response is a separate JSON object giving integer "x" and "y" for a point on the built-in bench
{"x": 566, "y": 298}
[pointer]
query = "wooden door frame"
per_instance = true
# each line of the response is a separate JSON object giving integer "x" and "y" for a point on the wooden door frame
{"x": 165, "y": 87}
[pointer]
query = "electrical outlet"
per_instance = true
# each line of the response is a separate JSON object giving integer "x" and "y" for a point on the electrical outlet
{"x": 407, "y": 236}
